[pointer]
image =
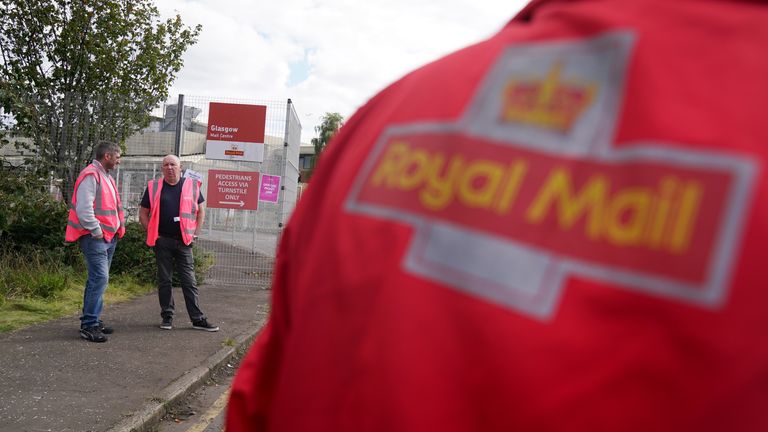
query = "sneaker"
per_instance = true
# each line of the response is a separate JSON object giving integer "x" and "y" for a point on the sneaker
{"x": 93, "y": 334}
{"x": 203, "y": 324}
{"x": 167, "y": 324}
{"x": 104, "y": 329}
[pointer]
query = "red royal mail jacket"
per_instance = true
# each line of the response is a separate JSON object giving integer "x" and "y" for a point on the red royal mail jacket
{"x": 560, "y": 228}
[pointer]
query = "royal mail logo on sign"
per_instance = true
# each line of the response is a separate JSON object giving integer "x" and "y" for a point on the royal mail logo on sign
{"x": 527, "y": 189}
{"x": 235, "y": 132}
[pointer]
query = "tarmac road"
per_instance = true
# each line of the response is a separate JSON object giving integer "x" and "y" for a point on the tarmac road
{"x": 51, "y": 380}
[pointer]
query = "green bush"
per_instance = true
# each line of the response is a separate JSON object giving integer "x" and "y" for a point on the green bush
{"x": 133, "y": 257}
{"x": 36, "y": 220}
{"x": 204, "y": 260}
{"x": 31, "y": 220}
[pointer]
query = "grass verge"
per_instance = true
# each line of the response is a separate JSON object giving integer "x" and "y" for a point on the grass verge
{"x": 22, "y": 311}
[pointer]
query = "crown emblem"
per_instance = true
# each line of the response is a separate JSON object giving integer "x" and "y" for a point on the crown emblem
{"x": 550, "y": 103}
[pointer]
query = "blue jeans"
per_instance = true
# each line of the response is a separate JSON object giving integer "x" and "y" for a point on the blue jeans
{"x": 98, "y": 257}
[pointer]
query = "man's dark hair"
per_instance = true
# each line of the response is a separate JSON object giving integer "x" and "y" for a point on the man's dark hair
{"x": 105, "y": 147}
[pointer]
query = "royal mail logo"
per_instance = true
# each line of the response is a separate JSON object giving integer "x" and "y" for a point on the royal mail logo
{"x": 548, "y": 102}
{"x": 508, "y": 209}
{"x": 662, "y": 222}
{"x": 234, "y": 150}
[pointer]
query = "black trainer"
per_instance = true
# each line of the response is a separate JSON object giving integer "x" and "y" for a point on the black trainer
{"x": 167, "y": 324}
{"x": 93, "y": 334}
{"x": 203, "y": 324}
{"x": 105, "y": 329}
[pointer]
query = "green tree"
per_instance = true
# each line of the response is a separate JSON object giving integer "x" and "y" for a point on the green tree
{"x": 74, "y": 72}
{"x": 329, "y": 125}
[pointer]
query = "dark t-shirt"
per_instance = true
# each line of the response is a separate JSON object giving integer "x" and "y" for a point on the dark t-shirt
{"x": 170, "y": 199}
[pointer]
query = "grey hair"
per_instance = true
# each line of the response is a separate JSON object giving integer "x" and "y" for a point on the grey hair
{"x": 104, "y": 148}
{"x": 178, "y": 159}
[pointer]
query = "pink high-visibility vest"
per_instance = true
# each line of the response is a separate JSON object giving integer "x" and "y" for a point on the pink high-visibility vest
{"x": 107, "y": 208}
{"x": 190, "y": 193}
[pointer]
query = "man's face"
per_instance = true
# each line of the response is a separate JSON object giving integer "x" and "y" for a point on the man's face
{"x": 111, "y": 160}
{"x": 171, "y": 170}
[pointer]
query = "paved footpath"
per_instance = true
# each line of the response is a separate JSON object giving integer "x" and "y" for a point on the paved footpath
{"x": 51, "y": 380}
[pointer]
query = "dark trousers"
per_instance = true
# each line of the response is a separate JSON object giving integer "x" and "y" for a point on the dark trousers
{"x": 170, "y": 253}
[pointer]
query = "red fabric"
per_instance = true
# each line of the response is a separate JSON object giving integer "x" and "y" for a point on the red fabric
{"x": 356, "y": 342}
{"x": 108, "y": 221}
{"x": 190, "y": 192}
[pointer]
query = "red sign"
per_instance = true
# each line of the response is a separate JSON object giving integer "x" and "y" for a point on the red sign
{"x": 236, "y": 122}
{"x": 235, "y": 132}
{"x": 233, "y": 189}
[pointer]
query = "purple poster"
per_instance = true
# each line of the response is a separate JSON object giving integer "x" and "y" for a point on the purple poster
{"x": 270, "y": 188}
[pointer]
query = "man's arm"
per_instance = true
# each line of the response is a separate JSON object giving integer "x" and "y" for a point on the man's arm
{"x": 144, "y": 216}
{"x": 144, "y": 209}
{"x": 200, "y": 217}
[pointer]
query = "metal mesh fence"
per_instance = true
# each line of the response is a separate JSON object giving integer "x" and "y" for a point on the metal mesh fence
{"x": 244, "y": 242}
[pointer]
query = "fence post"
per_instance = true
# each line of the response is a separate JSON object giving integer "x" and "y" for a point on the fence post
{"x": 281, "y": 193}
{"x": 179, "y": 125}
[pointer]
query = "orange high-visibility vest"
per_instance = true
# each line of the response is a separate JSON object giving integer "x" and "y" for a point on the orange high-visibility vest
{"x": 190, "y": 193}
{"x": 107, "y": 209}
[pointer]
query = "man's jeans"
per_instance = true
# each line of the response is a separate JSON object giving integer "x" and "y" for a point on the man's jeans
{"x": 167, "y": 252}
{"x": 98, "y": 257}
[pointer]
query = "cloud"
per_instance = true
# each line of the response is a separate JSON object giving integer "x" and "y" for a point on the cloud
{"x": 325, "y": 55}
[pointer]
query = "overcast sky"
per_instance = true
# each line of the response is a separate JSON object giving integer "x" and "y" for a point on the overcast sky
{"x": 325, "y": 55}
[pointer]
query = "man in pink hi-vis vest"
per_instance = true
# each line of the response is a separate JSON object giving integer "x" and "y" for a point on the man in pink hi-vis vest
{"x": 172, "y": 212}
{"x": 561, "y": 228}
{"x": 96, "y": 221}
